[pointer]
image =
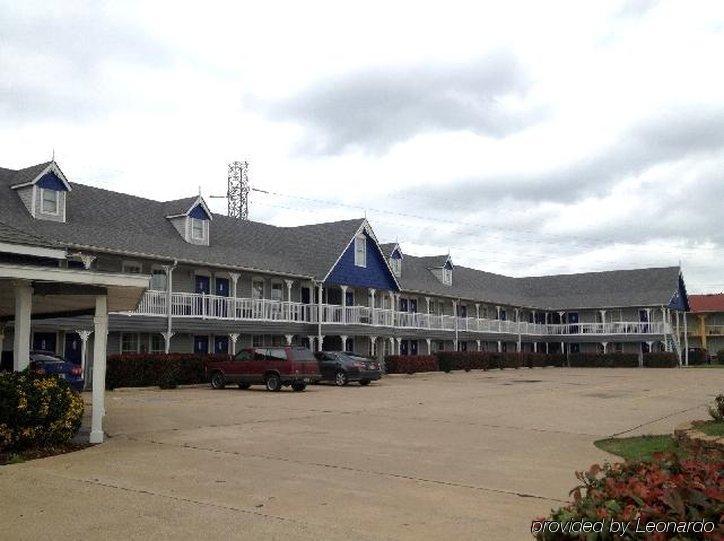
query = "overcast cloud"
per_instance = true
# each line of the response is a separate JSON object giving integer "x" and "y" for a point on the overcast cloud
{"x": 524, "y": 137}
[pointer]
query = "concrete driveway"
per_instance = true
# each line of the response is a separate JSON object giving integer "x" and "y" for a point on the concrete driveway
{"x": 473, "y": 455}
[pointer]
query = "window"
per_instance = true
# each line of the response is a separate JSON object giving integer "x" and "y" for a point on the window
{"x": 257, "y": 288}
{"x": 197, "y": 229}
{"x": 129, "y": 342}
{"x": 276, "y": 291}
{"x": 49, "y": 201}
{"x": 447, "y": 276}
{"x": 131, "y": 267}
{"x": 396, "y": 265}
{"x": 360, "y": 251}
{"x": 243, "y": 355}
{"x": 158, "y": 345}
{"x": 158, "y": 279}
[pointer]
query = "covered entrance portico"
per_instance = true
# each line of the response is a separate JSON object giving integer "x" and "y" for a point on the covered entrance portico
{"x": 28, "y": 292}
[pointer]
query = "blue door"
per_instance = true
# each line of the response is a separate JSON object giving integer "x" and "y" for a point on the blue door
{"x": 413, "y": 347}
{"x": 201, "y": 344}
{"x": 403, "y": 305}
{"x": 221, "y": 344}
{"x": 203, "y": 285}
{"x": 222, "y": 287}
{"x": 503, "y": 315}
{"x": 572, "y": 320}
{"x": 644, "y": 318}
{"x": 306, "y": 295}
{"x": 349, "y": 298}
{"x": 463, "y": 311}
{"x": 403, "y": 348}
{"x": 44, "y": 341}
{"x": 413, "y": 305}
{"x": 73, "y": 347}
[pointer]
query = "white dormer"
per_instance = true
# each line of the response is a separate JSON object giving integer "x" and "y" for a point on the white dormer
{"x": 193, "y": 222}
{"x": 396, "y": 260}
{"x": 43, "y": 190}
{"x": 444, "y": 272}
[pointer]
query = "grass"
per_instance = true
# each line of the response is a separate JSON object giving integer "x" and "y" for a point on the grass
{"x": 19, "y": 456}
{"x": 712, "y": 428}
{"x": 637, "y": 447}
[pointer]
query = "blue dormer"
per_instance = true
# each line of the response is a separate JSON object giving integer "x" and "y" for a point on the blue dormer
{"x": 396, "y": 258}
{"x": 192, "y": 219}
{"x": 43, "y": 190}
{"x": 363, "y": 264}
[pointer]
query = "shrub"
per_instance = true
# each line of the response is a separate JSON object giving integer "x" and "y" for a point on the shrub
{"x": 409, "y": 364}
{"x": 698, "y": 356}
{"x": 147, "y": 369}
{"x": 717, "y": 410}
{"x": 603, "y": 360}
{"x": 463, "y": 360}
{"x": 37, "y": 410}
{"x": 667, "y": 489}
{"x": 720, "y": 356}
{"x": 661, "y": 360}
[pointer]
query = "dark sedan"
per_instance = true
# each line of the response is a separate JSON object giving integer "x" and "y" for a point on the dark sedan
{"x": 48, "y": 363}
{"x": 342, "y": 367}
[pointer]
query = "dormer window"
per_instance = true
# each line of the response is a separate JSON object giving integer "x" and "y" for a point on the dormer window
{"x": 447, "y": 276}
{"x": 197, "y": 229}
{"x": 360, "y": 251}
{"x": 49, "y": 201}
{"x": 396, "y": 265}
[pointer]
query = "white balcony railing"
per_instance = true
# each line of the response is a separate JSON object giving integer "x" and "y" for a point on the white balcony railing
{"x": 195, "y": 305}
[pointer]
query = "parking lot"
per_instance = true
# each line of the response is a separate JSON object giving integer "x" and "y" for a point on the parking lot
{"x": 462, "y": 455}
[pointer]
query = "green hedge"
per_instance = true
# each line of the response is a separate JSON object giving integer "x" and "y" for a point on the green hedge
{"x": 37, "y": 411}
{"x": 148, "y": 369}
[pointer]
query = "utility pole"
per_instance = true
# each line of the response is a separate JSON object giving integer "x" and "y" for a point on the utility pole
{"x": 237, "y": 191}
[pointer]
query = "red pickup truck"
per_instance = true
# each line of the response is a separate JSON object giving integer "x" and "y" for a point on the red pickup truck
{"x": 275, "y": 367}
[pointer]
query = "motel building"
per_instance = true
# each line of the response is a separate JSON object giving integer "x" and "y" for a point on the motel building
{"x": 706, "y": 322}
{"x": 87, "y": 272}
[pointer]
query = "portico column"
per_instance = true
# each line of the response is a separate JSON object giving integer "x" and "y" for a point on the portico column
{"x": 429, "y": 346}
{"x": 535, "y": 347}
{"x": 478, "y": 343}
{"x": 233, "y": 337}
{"x": 605, "y": 345}
{"x": 289, "y": 338}
{"x": 399, "y": 345}
{"x": 289, "y": 298}
{"x": 343, "y": 337}
{"x": 371, "y": 303}
{"x": 392, "y": 345}
{"x": 344, "y": 303}
{"x": 21, "y": 335}
{"x": 429, "y": 323}
{"x": 167, "y": 340}
{"x": 373, "y": 339}
{"x": 477, "y": 310}
{"x": 546, "y": 348}
{"x": 519, "y": 345}
{"x": 100, "y": 322}
{"x": 84, "y": 334}
{"x": 497, "y": 311}
{"x": 320, "y": 315}
{"x": 500, "y": 347}
{"x": 455, "y": 320}
{"x": 311, "y": 337}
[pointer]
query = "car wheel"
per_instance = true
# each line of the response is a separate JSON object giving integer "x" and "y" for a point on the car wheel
{"x": 364, "y": 382}
{"x": 273, "y": 383}
{"x": 244, "y": 385}
{"x": 217, "y": 380}
{"x": 340, "y": 379}
{"x": 299, "y": 387}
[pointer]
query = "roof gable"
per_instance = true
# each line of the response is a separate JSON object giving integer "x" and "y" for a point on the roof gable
{"x": 46, "y": 175}
{"x": 195, "y": 207}
{"x": 711, "y": 302}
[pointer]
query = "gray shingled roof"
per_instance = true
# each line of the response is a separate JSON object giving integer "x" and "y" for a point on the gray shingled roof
{"x": 12, "y": 235}
{"x": 106, "y": 220}
{"x": 113, "y": 221}
{"x": 609, "y": 289}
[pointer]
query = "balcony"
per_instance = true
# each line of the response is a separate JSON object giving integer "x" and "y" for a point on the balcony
{"x": 195, "y": 305}
{"x": 709, "y": 330}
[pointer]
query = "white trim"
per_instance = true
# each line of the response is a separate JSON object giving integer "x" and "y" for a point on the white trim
{"x": 73, "y": 276}
{"x": 52, "y": 166}
{"x": 32, "y": 203}
{"x": 37, "y": 251}
{"x": 198, "y": 201}
{"x": 193, "y": 221}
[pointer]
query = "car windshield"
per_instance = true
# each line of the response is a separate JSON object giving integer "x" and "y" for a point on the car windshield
{"x": 303, "y": 354}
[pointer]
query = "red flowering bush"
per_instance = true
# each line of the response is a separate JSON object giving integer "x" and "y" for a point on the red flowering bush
{"x": 603, "y": 360}
{"x": 661, "y": 360}
{"x": 409, "y": 364}
{"x": 669, "y": 490}
{"x": 164, "y": 370}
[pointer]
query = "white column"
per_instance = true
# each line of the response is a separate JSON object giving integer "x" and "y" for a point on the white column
{"x": 605, "y": 345}
{"x": 343, "y": 338}
{"x": 429, "y": 323}
{"x": 535, "y": 347}
{"x": 500, "y": 347}
{"x": 686, "y": 342}
{"x": 392, "y": 345}
{"x": 399, "y": 343}
{"x": 497, "y": 310}
{"x": 99, "y": 369}
{"x": 311, "y": 341}
{"x": 233, "y": 337}
{"x": 371, "y": 300}
{"x": 373, "y": 339}
{"x": 478, "y": 343}
{"x": 344, "y": 303}
{"x": 84, "y": 335}
{"x": 546, "y": 348}
{"x": 289, "y": 338}
{"x": 21, "y": 333}
{"x": 320, "y": 343}
{"x": 289, "y": 298}
{"x": 429, "y": 346}
{"x": 455, "y": 321}
{"x": 319, "y": 315}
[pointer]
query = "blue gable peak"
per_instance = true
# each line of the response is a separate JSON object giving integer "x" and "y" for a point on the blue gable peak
{"x": 376, "y": 274}
{"x": 51, "y": 181}
{"x": 199, "y": 212}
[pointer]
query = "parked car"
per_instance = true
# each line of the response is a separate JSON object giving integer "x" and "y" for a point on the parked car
{"x": 46, "y": 362}
{"x": 274, "y": 367}
{"x": 341, "y": 367}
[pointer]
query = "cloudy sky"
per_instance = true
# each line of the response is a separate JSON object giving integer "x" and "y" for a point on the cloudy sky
{"x": 522, "y": 137}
